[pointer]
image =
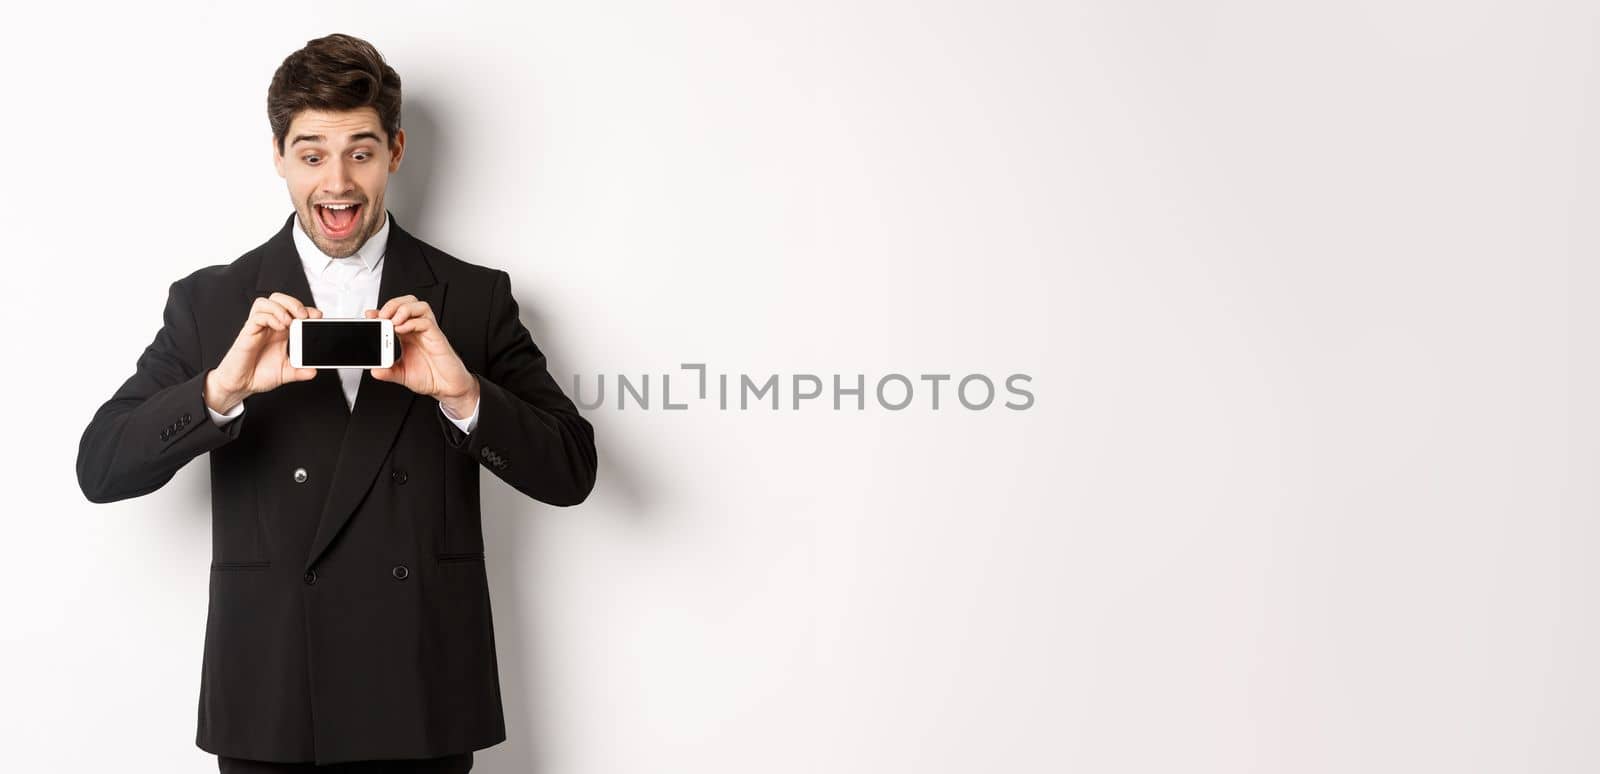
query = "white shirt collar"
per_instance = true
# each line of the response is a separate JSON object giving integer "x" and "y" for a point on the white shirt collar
{"x": 316, "y": 262}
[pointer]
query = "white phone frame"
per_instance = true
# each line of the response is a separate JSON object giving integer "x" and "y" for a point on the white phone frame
{"x": 386, "y": 344}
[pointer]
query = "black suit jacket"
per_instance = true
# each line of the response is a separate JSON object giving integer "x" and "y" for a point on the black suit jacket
{"x": 349, "y": 606}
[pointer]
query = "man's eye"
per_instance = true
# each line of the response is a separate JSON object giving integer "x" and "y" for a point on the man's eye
{"x": 309, "y": 159}
{"x": 362, "y": 156}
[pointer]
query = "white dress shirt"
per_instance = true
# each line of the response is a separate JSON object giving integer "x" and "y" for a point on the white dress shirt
{"x": 345, "y": 287}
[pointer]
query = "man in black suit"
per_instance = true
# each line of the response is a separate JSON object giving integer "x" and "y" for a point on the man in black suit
{"x": 349, "y": 622}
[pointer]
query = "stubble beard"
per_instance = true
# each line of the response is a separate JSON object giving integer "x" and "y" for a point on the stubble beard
{"x": 343, "y": 249}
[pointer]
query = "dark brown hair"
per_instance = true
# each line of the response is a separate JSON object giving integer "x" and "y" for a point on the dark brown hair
{"x": 336, "y": 72}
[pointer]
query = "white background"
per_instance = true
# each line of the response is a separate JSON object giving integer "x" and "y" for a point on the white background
{"x": 1304, "y": 289}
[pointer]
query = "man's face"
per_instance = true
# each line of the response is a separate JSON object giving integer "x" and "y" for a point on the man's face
{"x": 338, "y": 158}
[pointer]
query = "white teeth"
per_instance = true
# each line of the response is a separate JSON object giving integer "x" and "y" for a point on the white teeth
{"x": 337, "y": 206}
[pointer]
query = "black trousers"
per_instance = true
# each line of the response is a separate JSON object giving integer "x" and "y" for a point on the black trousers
{"x": 449, "y": 764}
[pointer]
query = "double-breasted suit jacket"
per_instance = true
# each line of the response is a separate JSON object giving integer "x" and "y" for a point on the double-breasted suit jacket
{"x": 349, "y": 609}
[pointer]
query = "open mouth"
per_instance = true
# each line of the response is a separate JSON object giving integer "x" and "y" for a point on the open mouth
{"x": 338, "y": 219}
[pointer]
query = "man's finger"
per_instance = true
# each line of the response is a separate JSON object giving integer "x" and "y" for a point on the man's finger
{"x": 395, "y": 303}
{"x": 419, "y": 309}
{"x": 415, "y": 325}
{"x": 272, "y": 307}
{"x": 289, "y": 303}
{"x": 275, "y": 321}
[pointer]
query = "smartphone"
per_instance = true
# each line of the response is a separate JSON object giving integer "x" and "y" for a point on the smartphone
{"x": 340, "y": 342}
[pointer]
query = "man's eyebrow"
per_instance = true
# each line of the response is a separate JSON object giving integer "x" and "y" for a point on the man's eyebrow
{"x": 319, "y": 138}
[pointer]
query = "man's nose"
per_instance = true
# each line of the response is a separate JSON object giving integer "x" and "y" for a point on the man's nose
{"x": 337, "y": 180}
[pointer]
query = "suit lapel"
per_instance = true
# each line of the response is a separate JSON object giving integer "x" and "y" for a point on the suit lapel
{"x": 381, "y": 407}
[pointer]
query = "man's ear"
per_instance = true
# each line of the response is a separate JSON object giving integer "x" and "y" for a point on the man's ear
{"x": 398, "y": 151}
{"x": 277, "y": 158}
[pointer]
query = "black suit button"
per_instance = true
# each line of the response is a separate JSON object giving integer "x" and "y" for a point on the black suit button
{"x": 311, "y": 577}
{"x": 300, "y": 475}
{"x": 185, "y": 418}
{"x": 485, "y": 453}
{"x": 400, "y": 572}
{"x": 399, "y": 476}
{"x": 165, "y": 434}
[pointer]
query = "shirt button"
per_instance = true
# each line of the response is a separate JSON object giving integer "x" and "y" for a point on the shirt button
{"x": 300, "y": 475}
{"x": 400, "y": 572}
{"x": 399, "y": 476}
{"x": 311, "y": 577}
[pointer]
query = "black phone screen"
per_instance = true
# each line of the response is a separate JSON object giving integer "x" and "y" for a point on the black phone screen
{"x": 339, "y": 343}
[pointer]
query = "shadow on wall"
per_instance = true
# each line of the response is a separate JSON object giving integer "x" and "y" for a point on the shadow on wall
{"x": 507, "y": 514}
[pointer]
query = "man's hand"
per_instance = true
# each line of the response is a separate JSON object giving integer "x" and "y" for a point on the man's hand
{"x": 258, "y": 361}
{"x": 428, "y": 365}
